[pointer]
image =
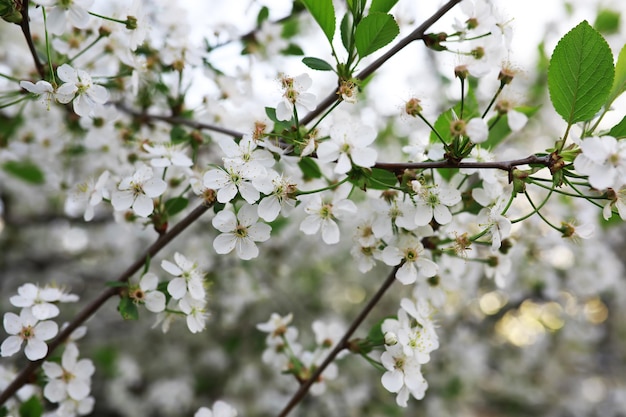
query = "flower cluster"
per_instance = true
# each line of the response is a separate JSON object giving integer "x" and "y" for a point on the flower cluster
{"x": 187, "y": 292}
{"x": 77, "y": 87}
{"x": 409, "y": 340}
{"x": 33, "y": 324}
{"x": 284, "y": 353}
{"x": 69, "y": 383}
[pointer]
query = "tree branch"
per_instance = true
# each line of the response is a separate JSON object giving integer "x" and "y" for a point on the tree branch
{"x": 399, "y": 167}
{"x": 25, "y": 25}
{"x": 343, "y": 343}
{"x": 418, "y": 33}
{"x": 25, "y": 375}
{"x": 142, "y": 116}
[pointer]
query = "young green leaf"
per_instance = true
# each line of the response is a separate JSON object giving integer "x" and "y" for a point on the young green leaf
{"x": 346, "y": 31}
{"x": 382, "y": 6}
{"x": 373, "y": 32}
{"x": 292, "y": 49}
{"x": 263, "y": 15}
{"x": 309, "y": 168}
{"x": 128, "y": 309}
{"x": 607, "y": 21}
{"x": 317, "y": 64}
{"x": 501, "y": 130}
{"x": 381, "y": 179}
{"x": 619, "y": 82}
{"x": 323, "y": 12}
{"x": 619, "y": 130}
{"x": 580, "y": 74}
{"x": 25, "y": 170}
{"x": 31, "y": 407}
{"x": 175, "y": 205}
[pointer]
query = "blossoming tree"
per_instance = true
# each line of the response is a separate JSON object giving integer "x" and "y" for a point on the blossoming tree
{"x": 438, "y": 242}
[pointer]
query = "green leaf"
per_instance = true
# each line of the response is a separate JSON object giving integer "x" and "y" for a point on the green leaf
{"x": 317, "y": 64}
{"x": 442, "y": 124}
{"x": 25, "y": 170}
{"x": 292, "y": 49}
{"x": 619, "y": 130}
{"x": 263, "y": 15}
{"x": 128, "y": 309}
{"x": 580, "y": 74}
{"x": 619, "y": 82}
{"x": 323, "y": 12}
{"x": 291, "y": 27}
{"x": 178, "y": 134}
{"x": 279, "y": 125}
{"x": 373, "y": 32}
{"x": 31, "y": 407}
{"x": 309, "y": 168}
{"x": 501, "y": 130}
{"x": 381, "y": 179}
{"x": 382, "y": 6}
{"x": 175, "y": 205}
{"x": 607, "y": 21}
{"x": 345, "y": 29}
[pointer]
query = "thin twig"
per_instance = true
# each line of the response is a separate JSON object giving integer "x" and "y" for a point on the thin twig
{"x": 25, "y": 25}
{"x": 178, "y": 121}
{"x": 25, "y": 375}
{"x": 343, "y": 343}
{"x": 399, "y": 167}
{"x": 417, "y": 34}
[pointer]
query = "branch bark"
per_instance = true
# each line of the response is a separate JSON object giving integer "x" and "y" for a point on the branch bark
{"x": 25, "y": 375}
{"x": 25, "y": 25}
{"x": 343, "y": 343}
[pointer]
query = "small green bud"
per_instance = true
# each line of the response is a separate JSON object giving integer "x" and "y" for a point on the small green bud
{"x": 131, "y": 22}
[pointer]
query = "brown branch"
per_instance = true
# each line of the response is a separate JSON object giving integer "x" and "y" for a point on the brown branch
{"x": 399, "y": 167}
{"x": 25, "y": 375}
{"x": 417, "y": 34}
{"x": 144, "y": 117}
{"x": 25, "y": 25}
{"x": 343, "y": 343}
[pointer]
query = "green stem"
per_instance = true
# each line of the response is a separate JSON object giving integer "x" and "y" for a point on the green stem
{"x": 330, "y": 187}
{"x": 19, "y": 100}
{"x": 123, "y": 22}
{"x": 493, "y": 100}
{"x": 48, "y": 53}
{"x": 432, "y": 128}
{"x": 85, "y": 49}
{"x": 536, "y": 210}
{"x": 8, "y": 77}
{"x": 330, "y": 109}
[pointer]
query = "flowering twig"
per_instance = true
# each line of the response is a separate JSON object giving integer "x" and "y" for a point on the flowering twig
{"x": 25, "y": 375}
{"x": 343, "y": 343}
{"x": 399, "y": 167}
{"x": 142, "y": 116}
{"x": 25, "y": 25}
{"x": 417, "y": 34}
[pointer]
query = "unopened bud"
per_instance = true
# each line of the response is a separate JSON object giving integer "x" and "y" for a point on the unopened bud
{"x": 391, "y": 339}
{"x": 413, "y": 107}
{"x": 131, "y": 22}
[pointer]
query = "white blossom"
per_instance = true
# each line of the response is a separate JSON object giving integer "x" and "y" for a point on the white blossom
{"x": 137, "y": 192}
{"x": 294, "y": 94}
{"x": 322, "y": 216}
{"x": 80, "y": 87}
{"x": 412, "y": 252}
{"x": 603, "y": 159}
{"x": 70, "y": 379}
{"x": 189, "y": 278}
{"x": 348, "y": 144}
{"x": 240, "y": 232}
{"x": 26, "y": 327}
